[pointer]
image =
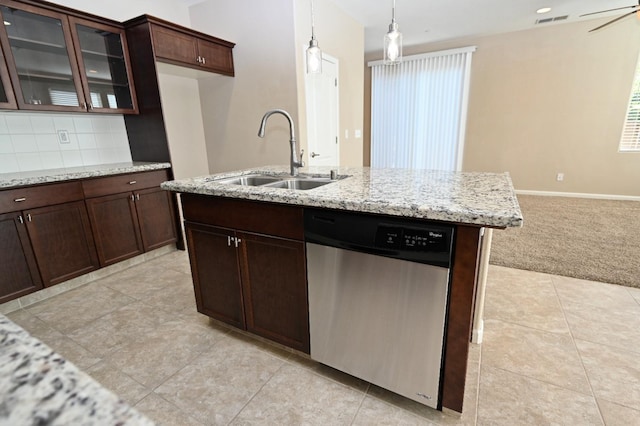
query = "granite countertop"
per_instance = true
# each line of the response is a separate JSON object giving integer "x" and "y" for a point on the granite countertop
{"x": 485, "y": 199}
{"x": 39, "y": 387}
{"x": 35, "y": 177}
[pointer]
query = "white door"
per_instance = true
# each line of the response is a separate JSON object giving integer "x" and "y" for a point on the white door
{"x": 322, "y": 115}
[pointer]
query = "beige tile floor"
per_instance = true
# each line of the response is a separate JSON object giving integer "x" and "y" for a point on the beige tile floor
{"x": 556, "y": 351}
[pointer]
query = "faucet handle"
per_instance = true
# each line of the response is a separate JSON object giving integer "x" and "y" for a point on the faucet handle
{"x": 301, "y": 160}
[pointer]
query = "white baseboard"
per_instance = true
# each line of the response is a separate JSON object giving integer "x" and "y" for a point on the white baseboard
{"x": 476, "y": 334}
{"x": 579, "y": 195}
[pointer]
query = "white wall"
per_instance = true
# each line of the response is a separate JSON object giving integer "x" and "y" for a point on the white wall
{"x": 265, "y": 78}
{"x": 180, "y": 97}
{"x": 122, "y": 10}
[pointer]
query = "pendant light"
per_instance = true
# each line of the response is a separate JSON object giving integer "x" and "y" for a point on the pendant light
{"x": 393, "y": 41}
{"x": 314, "y": 54}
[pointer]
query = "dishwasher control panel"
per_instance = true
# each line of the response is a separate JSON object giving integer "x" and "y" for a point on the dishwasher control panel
{"x": 412, "y": 239}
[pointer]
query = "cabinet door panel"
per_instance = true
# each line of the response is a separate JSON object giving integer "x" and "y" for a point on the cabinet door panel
{"x": 174, "y": 45}
{"x": 115, "y": 229}
{"x": 7, "y": 98}
{"x": 275, "y": 289}
{"x": 104, "y": 65}
{"x": 62, "y": 241}
{"x": 40, "y": 58}
{"x": 18, "y": 269}
{"x": 216, "y": 57}
{"x": 216, "y": 274}
{"x": 155, "y": 216}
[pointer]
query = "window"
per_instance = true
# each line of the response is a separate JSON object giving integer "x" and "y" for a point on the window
{"x": 630, "y": 140}
{"x": 418, "y": 110}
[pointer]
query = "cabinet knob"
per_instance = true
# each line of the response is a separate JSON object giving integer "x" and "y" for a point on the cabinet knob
{"x": 21, "y": 199}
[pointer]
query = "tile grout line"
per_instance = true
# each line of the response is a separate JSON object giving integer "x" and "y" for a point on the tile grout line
{"x": 573, "y": 340}
{"x": 364, "y": 396}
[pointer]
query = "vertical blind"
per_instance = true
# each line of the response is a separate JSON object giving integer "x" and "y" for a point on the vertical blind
{"x": 418, "y": 110}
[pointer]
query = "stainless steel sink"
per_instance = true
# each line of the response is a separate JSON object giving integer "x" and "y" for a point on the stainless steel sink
{"x": 286, "y": 182}
{"x": 303, "y": 184}
{"x": 249, "y": 180}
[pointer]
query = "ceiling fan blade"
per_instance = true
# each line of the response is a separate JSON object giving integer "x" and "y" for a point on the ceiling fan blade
{"x": 608, "y": 10}
{"x": 612, "y": 21}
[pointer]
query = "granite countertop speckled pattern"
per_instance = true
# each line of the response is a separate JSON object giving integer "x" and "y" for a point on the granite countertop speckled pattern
{"x": 475, "y": 198}
{"x": 39, "y": 387}
{"x": 10, "y": 180}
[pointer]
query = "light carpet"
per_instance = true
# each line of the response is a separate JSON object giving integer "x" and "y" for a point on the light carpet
{"x": 597, "y": 240}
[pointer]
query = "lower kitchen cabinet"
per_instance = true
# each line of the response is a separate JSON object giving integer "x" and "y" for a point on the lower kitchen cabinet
{"x": 20, "y": 274}
{"x": 62, "y": 241}
{"x": 129, "y": 214}
{"x": 274, "y": 289}
{"x": 242, "y": 275}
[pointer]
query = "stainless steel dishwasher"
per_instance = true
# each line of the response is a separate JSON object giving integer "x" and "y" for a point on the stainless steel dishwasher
{"x": 378, "y": 291}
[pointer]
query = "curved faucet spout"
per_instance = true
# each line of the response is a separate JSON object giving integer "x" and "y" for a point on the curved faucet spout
{"x": 294, "y": 162}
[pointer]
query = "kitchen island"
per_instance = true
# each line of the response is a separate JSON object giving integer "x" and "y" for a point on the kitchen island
{"x": 265, "y": 224}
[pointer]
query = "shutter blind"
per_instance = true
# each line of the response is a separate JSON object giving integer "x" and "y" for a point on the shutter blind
{"x": 630, "y": 140}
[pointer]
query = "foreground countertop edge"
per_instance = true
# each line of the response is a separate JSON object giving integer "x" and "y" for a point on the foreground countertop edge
{"x": 14, "y": 180}
{"x": 505, "y": 214}
{"x": 38, "y": 386}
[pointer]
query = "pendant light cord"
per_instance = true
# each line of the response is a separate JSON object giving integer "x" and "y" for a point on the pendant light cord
{"x": 313, "y": 34}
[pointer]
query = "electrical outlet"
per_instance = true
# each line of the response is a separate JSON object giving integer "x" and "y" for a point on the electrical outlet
{"x": 560, "y": 177}
{"x": 346, "y": 133}
{"x": 63, "y": 136}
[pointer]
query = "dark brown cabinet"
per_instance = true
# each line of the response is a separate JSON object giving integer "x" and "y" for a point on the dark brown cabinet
{"x": 182, "y": 48}
{"x": 62, "y": 241}
{"x": 248, "y": 266}
{"x": 129, "y": 214}
{"x": 20, "y": 274}
{"x": 52, "y": 227}
{"x": 65, "y": 63}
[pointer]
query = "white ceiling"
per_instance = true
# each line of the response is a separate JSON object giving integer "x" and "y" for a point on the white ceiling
{"x": 425, "y": 21}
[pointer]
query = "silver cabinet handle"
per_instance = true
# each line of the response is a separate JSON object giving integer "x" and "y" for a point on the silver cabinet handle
{"x": 132, "y": 197}
{"x": 20, "y": 219}
{"x": 204, "y": 60}
{"x": 314, "y": 155}
{"x": 237, "y": 241}
{"x": 133, "y": 182}
{"x": 29, "y": 217}
{"x": 21, "y": 199}
{"x": 228, "y": 240}
{"x": 137, "y": 197}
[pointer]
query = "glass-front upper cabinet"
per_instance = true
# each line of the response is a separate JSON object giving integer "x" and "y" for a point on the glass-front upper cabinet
{"x": 41, "y": 59}
{"x": 63, "y": 63}
{"x": 104, "y": 65}
{"x": 7, "y": 98}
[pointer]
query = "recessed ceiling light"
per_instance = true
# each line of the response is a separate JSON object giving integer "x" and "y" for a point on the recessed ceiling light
{"x": 543, "y": 10}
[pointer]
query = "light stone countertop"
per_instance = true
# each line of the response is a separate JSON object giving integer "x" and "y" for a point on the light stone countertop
{"x": 36, "y": 177}
{"x": 39, "y": 387}
{"x": 474, "y": 198}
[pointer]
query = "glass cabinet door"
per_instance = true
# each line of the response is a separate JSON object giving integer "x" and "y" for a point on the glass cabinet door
{"x": 103, "y": 59}
{"x": 40, "y": 57}
{"x": 7, "y": 99}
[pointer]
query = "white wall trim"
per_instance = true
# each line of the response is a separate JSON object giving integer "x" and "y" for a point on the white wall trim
{"x": 579, "y": 195}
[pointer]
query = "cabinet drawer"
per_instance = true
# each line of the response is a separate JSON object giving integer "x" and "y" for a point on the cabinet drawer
{"x": 30, "y": 197}
{"x": 123, "y": 183}
{"x": 255, "y": 216}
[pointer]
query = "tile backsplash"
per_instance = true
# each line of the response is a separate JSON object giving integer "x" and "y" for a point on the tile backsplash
{"x": 41, "y": 141}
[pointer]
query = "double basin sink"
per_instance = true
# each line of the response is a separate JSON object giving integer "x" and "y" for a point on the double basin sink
{"x": 286, "y": 182}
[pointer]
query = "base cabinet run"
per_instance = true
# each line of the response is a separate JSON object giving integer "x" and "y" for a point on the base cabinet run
{"x": 129, "y": 214}
{"x": 245, "y": 272}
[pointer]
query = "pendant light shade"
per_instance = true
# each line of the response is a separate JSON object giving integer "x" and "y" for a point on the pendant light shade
{"x": 313, "y": 54}
{"x": 393, "y": 41}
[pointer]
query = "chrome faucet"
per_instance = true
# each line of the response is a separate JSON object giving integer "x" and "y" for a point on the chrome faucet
{"x": 294, "y": 162}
